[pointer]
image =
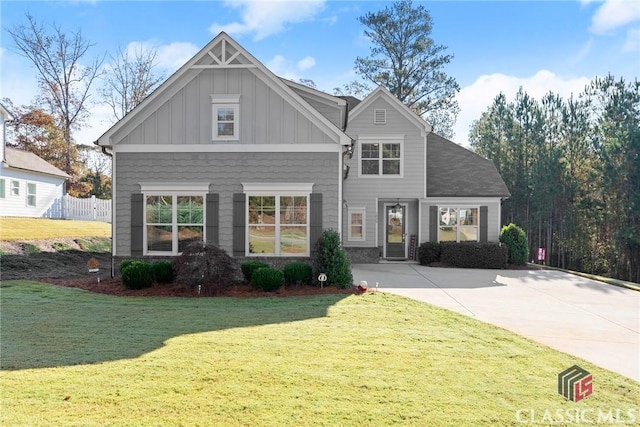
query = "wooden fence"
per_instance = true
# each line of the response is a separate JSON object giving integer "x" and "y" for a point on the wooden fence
{"x": 90, "y": 209}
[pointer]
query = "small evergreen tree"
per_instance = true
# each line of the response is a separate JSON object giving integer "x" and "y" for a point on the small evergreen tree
{"x": 516, "y": 239}
{"x": 332, "y": 259}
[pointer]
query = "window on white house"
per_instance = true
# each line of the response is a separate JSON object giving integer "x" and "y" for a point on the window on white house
{"x": 173, "y": 221}
{"x": 31, "y": 194}
{"x": 381, "y": 158}
{"x": 226, "y": 117}
{"x": 2, "y": 190}
{"x": 458, "y": 224}
{"x": 356, "y": 224}
{"x": 15, "y": 188}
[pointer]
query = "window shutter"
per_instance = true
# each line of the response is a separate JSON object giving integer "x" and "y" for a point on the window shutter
{"x": 239, "y": 224}
{"x": 433, "y": 223}
{"x": 212, "y": 219}
{"x": 315, "y": 219}
{"x": 484, "y": 213}
{"x": 379, "y": 116}
{"x": 137, "y": 224}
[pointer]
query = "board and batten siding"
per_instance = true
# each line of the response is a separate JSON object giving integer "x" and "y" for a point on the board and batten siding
{"x": 225, "y": 173}
{"x": 183, "y": 113}
{"x": 366, "y": 191}
{"x": 49, "y": 192}
{"x": 492, "y": 215}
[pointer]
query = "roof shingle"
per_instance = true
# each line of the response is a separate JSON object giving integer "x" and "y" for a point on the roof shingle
{"x": 25, "y": 160}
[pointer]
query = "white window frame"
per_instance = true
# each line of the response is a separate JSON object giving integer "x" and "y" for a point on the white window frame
{"x": 31, "y": 194}
{"x": 382, "y": 141}
{"x": 458, "y": 207}
{"x": 15, "y": 188}
{"x": 350, "y": 212}
{"x": 225, "y": 101}
{"x": 175, "y": 191}
{"x": 277, "y": 190}
{"x": 2, "y": 188}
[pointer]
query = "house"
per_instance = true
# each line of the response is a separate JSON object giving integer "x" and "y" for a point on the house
{"x": 225, "y": 151}
{"x": 29, "y": 186}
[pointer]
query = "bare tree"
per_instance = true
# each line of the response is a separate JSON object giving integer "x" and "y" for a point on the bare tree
{"x": 64, "y": 82}
{"x": 130, "y": 79}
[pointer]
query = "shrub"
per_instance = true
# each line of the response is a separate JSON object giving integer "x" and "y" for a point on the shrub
{"x": 208, "y": 266}
{"x": 137, "y": 275}
{"x": 474, "y": 254}
{"x": 429, "y": 252}
{"x": 268, "y": 279}
{"x": 249, "y": 267}
{"x": 331, "y": 258}
{"x": 125, "y": 263}
{"x": 516, "y": 239}
{"x": 297, "y": 273}
{"x": 163, "y": 271}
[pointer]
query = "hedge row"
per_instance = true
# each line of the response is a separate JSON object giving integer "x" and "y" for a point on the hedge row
{"x": 464, "y": 254}
{"x": 143, "y": 274}
{"x": 261, "y": 276}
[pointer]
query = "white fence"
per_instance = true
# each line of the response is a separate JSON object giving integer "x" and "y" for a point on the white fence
{"x": 90, "y": 209}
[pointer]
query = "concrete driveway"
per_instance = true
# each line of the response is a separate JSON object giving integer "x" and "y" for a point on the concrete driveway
{"x": 581, "y": 317}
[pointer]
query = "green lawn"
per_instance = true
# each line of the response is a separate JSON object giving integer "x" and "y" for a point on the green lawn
{"x": 24, "y": 229}
{"x": 70, "y": 357}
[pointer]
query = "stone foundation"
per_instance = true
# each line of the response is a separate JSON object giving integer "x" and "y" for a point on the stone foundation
{"x": 364, "y": 255}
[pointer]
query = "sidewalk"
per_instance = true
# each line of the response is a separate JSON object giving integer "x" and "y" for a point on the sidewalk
{"x": 576, "y": 315}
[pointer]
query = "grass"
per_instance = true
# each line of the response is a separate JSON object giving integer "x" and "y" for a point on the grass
{"x": 21, "y": 229}
{"x": 70, "y": 357}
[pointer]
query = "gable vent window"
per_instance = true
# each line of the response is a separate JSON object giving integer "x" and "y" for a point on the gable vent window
{"x": 380, "y": 116}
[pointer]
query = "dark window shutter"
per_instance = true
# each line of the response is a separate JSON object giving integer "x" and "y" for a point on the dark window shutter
{"x": 484, "y": 213}
{"x": 212, "y": 219}
{"x": 315, "y": 219}
{"x": 137, "y": 224}
{"x": 433, "y": 223}
{"x": 239, "y": 223}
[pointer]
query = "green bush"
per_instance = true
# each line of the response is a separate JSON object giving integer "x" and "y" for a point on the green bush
{"x": 474, "y": 254}
{"x": 331, "y": 258}
{"x": 125, "y": 263}
{"x": 268, "y": 279}
{"x": 516, "y": 239}
{"x": 429, "y": 252}
{"x": 298, "y": 273}
{"x": 249, "y": 267}
{"x": 163, "y": 271}
{"x": 137, "y": 275}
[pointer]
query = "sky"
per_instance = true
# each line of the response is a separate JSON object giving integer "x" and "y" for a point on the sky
{"x": 497, "y": 46}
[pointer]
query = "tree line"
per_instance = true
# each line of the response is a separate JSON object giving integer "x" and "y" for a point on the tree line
{"x": 573, "y": 169}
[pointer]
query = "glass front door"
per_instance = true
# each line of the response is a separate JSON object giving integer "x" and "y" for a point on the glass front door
{"x": 395, "y": 232}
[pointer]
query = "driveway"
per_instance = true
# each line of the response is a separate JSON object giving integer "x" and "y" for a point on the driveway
{"x": 579, "y": 316}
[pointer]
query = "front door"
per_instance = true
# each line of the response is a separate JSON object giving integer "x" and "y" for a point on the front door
{"x": 395, "y": 231}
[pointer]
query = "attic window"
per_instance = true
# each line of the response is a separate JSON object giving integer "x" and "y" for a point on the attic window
{"x": 380, "y": 116}
{"x": 226, "y": 120}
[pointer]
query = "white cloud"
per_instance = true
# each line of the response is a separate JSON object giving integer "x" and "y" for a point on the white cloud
{"x": 264, "y": 18}
{"x": 633, "y": 41}
{"x": 614, "y": 14}
{"x": 306, "y": 63}
{"x": 289, "y": 69}
{"x": 477, "y": 97}
{"x": 174, "y": 55}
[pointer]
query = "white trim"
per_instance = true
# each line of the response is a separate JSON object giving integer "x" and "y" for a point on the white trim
{"x": 277, "y": 187}
{"x": 171, "y": 187}
{"x": 363, "y": 211}
{"x": 460, "y": 201}
{"x": 227, "y": 148}
{"x": 225, "y": 98}
{"x": 382, "y": 141}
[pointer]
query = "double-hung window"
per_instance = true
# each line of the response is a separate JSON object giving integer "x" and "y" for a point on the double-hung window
{"x": 173, "y": 220}
{"x": 31, "y": 194}
{"x": 278, "y": 219}
{"x": 458, "y": 224}
{"x": 15, "y": 188}
{"x": 381, "y": 157}
{"x": 356, "y": 224}
{"x": 226, "y": 117}
{"x": 2, "y": 190}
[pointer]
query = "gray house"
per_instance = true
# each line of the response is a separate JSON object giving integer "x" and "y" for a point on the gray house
{"x": 225, "y": 151}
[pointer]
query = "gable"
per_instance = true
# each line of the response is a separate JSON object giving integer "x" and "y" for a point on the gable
{"x": 180, "y": 110}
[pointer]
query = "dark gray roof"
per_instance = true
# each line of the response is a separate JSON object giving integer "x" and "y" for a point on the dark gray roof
{"x": 352, "y": 101}
{"x": 454, "y": 171}
{"x": 25, "y": 160}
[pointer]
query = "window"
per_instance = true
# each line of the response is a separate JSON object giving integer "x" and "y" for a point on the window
{"x": 278, "y": 219}
{"x": 226, "y": 118}
{"x": 458, "y": 224}
{"x": 381, "y": 158}
{"x": 356, "y": 224}
{"x": 31, "y": 194}
{"x": 172, "y": 222}
{"x": 2, "y": 188}
{"x": 15, "y": 188}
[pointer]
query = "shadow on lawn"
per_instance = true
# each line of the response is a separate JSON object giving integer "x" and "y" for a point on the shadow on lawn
{"x": 49, "y": 326}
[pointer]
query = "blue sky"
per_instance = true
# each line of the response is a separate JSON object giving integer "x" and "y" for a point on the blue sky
{"x": 498, "y": 46}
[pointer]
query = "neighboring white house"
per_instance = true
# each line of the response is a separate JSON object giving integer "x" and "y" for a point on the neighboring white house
{"x": 29, "y": 186}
